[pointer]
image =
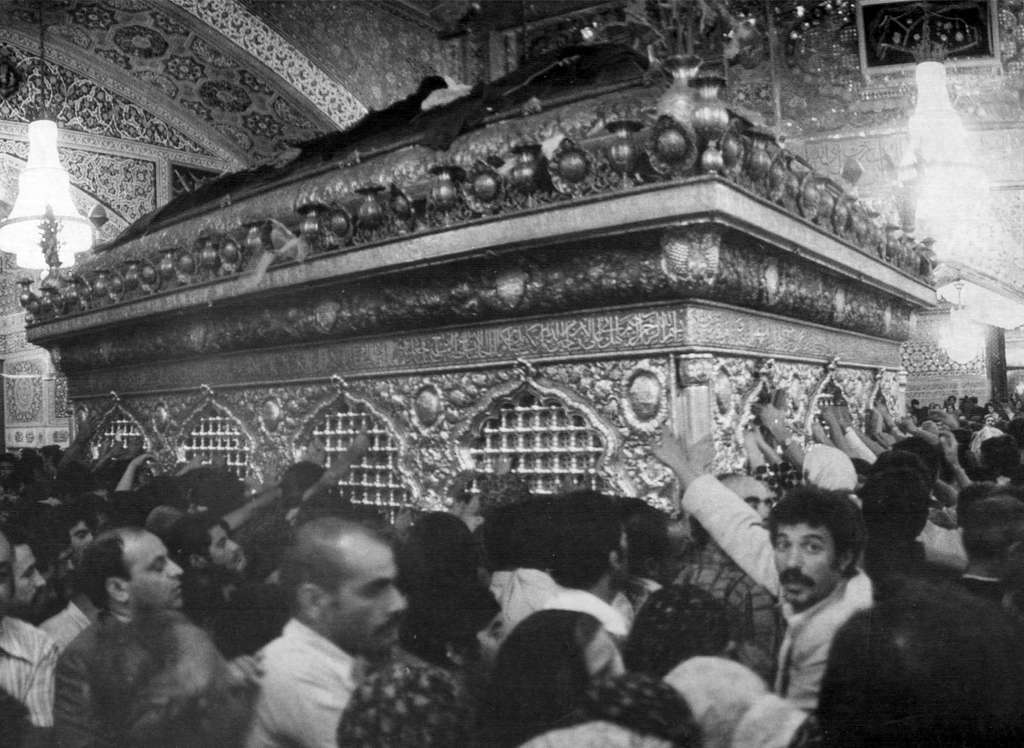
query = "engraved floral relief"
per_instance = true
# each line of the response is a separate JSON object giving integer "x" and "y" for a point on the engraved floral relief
{"x": 625, "y": 401}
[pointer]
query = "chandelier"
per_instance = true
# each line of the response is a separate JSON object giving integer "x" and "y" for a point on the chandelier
{"x": 962, "y": 338}
{"x": 953, "y": 205}
{"x": 44, "y": 228}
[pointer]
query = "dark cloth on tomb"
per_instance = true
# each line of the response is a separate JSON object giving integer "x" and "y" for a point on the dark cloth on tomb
{"x": 558, "y": 73}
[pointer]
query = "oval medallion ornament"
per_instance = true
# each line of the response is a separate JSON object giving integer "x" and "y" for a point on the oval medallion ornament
{"x": 270, "y": 414}
{"x": 645, "y": 399}
{"x": 427, "y": 405}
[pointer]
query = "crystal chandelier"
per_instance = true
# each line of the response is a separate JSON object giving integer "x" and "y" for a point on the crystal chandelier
{"x": 44, "y": 196}
{"x": 953, "y": 206}
{"x": 961, "y": 337}
{"x": 951, "y": 186}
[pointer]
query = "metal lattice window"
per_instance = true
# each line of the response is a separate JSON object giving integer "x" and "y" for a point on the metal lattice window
{"x": 547, "y": 443}
{"x": 219, "y": 436}
{"x": 375, "y": 480}
{"x": 118, "y": 428}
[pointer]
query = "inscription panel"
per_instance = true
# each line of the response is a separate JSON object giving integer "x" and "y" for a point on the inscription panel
{"x": 694, "y": 326}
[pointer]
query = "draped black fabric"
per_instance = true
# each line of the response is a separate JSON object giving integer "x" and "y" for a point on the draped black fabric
{"x": 564, "y": 70}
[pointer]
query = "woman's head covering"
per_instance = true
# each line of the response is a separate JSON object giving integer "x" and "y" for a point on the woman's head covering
{"x": 596, "y": 734}
{"x": 401, "y": 705}
{"x": 982, "y": 434}
{"x": 675, "y": 624}
{"x": 773, "y": 722}
{"x": 540, "y": 677}
{"x": 719, "y": 692}
{"x": 645, "y": 705}
{"x": 829, "y": 468}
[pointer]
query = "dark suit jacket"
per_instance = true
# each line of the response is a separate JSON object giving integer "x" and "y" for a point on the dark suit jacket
{"x": 74, "y": 717}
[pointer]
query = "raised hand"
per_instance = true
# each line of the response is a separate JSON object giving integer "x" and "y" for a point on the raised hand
{"x": 950, "y": 446}
{"x": 687, "y": 460}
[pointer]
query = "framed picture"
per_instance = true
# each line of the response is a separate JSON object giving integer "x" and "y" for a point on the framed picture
{"x": 895, "y": 34}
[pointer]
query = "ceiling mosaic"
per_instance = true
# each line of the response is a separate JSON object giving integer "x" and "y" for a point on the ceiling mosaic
{"x": 215, "y": 77}
{"x": 382, "y": 50}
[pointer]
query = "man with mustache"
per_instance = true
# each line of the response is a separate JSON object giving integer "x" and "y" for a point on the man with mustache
{"x": 27, "y": 658}
{"x": 807, "y": 557}
{"x": 340, "y": 579}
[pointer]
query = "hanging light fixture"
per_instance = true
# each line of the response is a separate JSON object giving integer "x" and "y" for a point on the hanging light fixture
{"x": 961, "y": 338}
{"x": 44, "y": 227}
{"x": 949, "y": 183}
{"x": 951, "y": 202}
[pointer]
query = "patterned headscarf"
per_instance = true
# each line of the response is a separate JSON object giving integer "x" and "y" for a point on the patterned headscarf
{"x": 500, "y": 490}
{"x": 779, "y": 476}
{"x": 773, "y": 722}
{"x": 676, "y": 623}
{"x": 829, "y": 468}
{"x": 402, "y": 705}
{"x": 645, "y": 705}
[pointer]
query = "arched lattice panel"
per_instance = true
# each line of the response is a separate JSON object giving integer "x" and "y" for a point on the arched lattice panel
{"x": 117, "y": 426}
{"x": 213, "y": 433}
{"x": 547, "y": 442}
{"x": 826, "y": 393}
{"x": 377, "y": 479}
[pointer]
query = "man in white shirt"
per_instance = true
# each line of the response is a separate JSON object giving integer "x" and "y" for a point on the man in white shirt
{"x": 806, "y": 557}
{"x": 340, "y": 578}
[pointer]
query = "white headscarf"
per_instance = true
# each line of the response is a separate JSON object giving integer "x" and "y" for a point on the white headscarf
{"x": 830, "y": 469}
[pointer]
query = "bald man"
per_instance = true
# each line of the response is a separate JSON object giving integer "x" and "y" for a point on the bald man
{"x": 340, "y": 579}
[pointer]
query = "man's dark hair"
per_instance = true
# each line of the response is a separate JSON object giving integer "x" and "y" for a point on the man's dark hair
{"x": 1001, "y": 456}
{"x": 162, "y": 490}
{"x": 928, "y": 666}
{"x": 103, "y": 559}
{"x": 446, "y": 615}
{"x": 929, "y": 453}
{"x": 832, "y": 510}
{"x": 895, "y": 459}
{"x": 894, "y": 504}
{"x": 975, "y": 492}
{"x": 992, "y": 524}
{"x": 69, "y": 515}
{"x": 190, "y": 536}
{"x": 520, "y": 535}
{"x": 646, "y": 535}
{"x": 675, "y": 624}
{"x": 587, "y": 529}
{"x": 52, "y": 452}
{"x": 296, "y": 479}
{"x": 216, "y": 488}
{"x": 17, "y": 535}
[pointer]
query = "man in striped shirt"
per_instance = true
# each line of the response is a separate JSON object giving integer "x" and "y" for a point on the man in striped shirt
{"x": 28, "y": 657}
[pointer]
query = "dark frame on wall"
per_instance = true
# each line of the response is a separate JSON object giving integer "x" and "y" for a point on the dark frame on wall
{"x": 893, "y": 35}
